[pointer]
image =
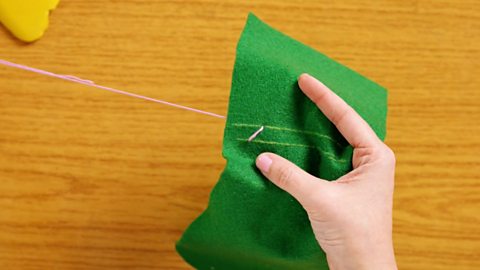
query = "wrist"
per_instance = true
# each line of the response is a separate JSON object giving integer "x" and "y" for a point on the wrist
{"x": 373, "y": 257}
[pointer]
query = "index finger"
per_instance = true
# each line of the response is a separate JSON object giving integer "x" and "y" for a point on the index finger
{"x": 351, "y": 125}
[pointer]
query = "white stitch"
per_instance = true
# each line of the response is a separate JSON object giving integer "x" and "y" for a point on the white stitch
{"x": 293, "y": 130}
{"x": 327, "y": 154}
{"x": 255, "y": 134}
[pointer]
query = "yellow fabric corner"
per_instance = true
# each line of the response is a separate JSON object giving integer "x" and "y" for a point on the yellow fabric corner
{"x": 26, "y": 19}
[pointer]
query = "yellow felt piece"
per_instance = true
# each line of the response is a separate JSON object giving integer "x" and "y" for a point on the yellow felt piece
{"x": 26, "y": 19}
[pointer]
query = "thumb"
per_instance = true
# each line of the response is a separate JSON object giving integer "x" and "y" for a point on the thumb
{"x": 289, "y": 177}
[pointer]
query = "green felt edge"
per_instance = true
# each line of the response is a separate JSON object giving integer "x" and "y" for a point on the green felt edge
{"x": 196, "y": 255}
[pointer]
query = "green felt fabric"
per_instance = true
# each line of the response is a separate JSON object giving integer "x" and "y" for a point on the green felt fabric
{"x": 249, "y": 222}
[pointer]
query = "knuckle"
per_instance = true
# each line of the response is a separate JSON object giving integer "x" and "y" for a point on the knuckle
{"x": 319, "y": 98}
{"x": 387, "y": 155}
{"x": 341, "y": 115}
{"x": 284, "y": 176}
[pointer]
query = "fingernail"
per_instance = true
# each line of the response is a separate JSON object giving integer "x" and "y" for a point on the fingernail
{"x": 302, "y": 75}
{"x": 264, "y": 162}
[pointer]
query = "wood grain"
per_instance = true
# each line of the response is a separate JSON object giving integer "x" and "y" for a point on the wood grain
{"x": 94, "y": 180}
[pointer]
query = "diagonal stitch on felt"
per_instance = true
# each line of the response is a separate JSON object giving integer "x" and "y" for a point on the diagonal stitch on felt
{"x": 329, "y": 155}
{"x": 307, "y": 132}
{"x": 249, "y": 222}
{"x": 295, "y": 137}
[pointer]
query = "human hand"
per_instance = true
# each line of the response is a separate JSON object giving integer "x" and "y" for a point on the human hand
{"x": 351, "y": 217}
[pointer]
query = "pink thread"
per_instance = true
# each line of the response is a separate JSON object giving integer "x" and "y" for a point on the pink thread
{"x": 255, "y": 134}
{"x": 91, "y": 83}
{"x": 79, "y": 79}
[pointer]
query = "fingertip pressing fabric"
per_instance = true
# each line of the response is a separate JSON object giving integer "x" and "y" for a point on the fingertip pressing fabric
{"x": 249, "y": 222}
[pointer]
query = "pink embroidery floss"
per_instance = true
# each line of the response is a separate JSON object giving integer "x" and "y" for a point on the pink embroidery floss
{"x": 255, "y": 134}
{"x": 92, "y": 84}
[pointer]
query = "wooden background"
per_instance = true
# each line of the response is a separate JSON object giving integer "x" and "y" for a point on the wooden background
{"x": 94, "y": 180}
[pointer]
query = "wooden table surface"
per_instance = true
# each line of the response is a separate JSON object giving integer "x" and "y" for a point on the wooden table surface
{"x": 94, "y": 180}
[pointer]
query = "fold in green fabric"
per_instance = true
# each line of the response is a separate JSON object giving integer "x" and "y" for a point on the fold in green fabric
{"x": 249, "y": 222}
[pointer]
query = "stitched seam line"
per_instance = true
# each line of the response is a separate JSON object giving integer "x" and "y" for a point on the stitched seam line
{"x": 292, "y": 130}
{"x": 327, "y": 154}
